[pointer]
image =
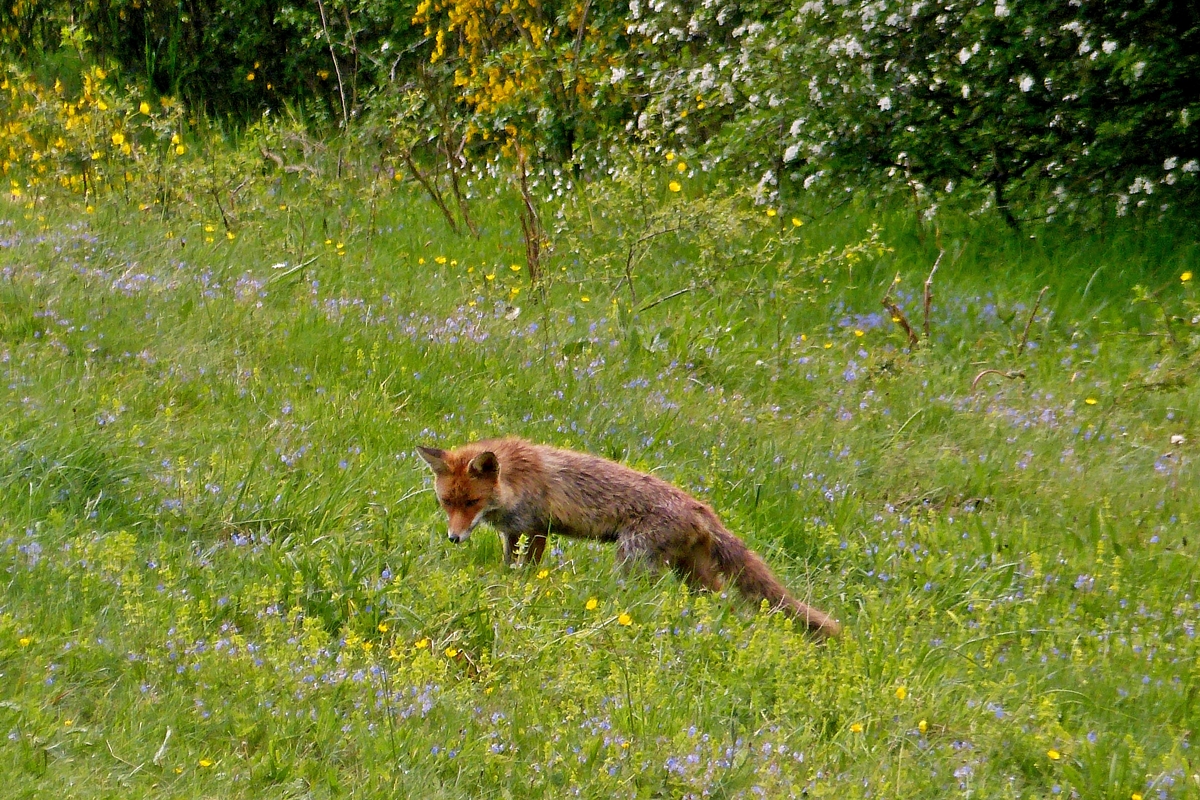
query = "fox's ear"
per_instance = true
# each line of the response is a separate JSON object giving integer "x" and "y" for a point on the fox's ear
{"x": 436, "y": 459}
{"x": 484, "y": 465}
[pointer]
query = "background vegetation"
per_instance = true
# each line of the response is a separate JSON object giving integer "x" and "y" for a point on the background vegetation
{"x": 1040, "y": 108}
{"x": 222, "y": 332}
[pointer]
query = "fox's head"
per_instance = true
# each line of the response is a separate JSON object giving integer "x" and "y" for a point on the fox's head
{"x": 465, "y": 486}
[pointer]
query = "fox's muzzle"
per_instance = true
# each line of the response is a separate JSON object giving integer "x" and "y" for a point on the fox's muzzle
{"x": 459, "y": 538}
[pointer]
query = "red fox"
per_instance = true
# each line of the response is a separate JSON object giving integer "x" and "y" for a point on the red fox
{"x": 531, "y": 490}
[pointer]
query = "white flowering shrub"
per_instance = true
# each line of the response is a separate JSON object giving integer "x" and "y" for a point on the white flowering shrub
{"x": 1050, "y": 106}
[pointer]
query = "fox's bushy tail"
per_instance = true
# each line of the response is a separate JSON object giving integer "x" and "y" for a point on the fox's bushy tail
{"x": 756, "y": 582}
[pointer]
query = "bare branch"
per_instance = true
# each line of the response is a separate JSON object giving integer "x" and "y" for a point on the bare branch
{"x": 1029, "y": 322}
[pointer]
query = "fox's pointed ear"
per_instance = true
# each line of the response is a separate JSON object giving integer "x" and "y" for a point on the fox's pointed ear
{"x": 436, "y": 459}
{"x": 484, "y": 465}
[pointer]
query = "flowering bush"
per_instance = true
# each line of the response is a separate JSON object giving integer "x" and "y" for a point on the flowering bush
{"x": 1041, "y": 101}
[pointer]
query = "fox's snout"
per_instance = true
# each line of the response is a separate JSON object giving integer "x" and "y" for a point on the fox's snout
{"x": 459, "y": 538}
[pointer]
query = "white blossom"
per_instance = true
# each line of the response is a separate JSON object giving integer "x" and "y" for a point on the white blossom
{"x": 964, "y": 56}
{"x": 1002, "y": 10}
{"x": 1141, "y": 185}
{"x": 1026, "y": 83}
{"x": 885, "y": 104}
{"x": 791, "y": 153}
{"x": 1109, "y": 46}
{"x": 1170, "y": 163}
{"x": 1192, "y": 166}
{"x": 966, "y": 90}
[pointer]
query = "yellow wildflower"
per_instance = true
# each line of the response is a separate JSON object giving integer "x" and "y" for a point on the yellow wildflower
{"x": 624, "y": 619}
{"x": 591, "y": 604}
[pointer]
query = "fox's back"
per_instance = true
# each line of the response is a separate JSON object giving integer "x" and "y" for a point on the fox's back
{"x": 584, "y": 495}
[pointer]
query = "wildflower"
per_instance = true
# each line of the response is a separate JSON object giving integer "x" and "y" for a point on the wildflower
{"x": 515, "y": 267}
{"x": 674, "y": 186}
{"x": 205, "y": 763}
{"x": 858, "y": 332}
{"x": 771, "y": 212}
{"x": 584, "y": 299}
{"x": 440, "y": 259}
{"x": 451, "y": 652}
{"x": 1135, "y": 796}
{"x": 625, "y": 619}
{"x": 922, "y": 726}
{"x": 1053, "y": 755}
{"x": 669, "y": 157}
{"x": 25, "y": 641}
{"x": 382, "y": 627}
{"x": 180, "y": 149}
{"x": 591, "y": 604}
{"x": 144, "y": 107}
{"x": 250, "y": 75}
{"x": 543, "y": 574}
{"x": 681, "y": 166}
{"x": 797, "y": 222}
{"x": 68, "y": 723}
{"x": 118, "y": 138}
{"x": 857, "y": 727}
{"x": 490, "y": 276}
{"x": 1091, "y": 401}
{"x": 421, "y": 644}
{"x": 901, "y": 692}
{"x": 514, "y": 291}
{"x": 1185, "y": 277}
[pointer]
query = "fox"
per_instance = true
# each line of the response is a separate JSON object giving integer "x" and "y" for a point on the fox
{"x": 531, "y": 490}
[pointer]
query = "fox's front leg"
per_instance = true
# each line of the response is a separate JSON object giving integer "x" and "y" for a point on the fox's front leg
{"x": 529, "y": 549}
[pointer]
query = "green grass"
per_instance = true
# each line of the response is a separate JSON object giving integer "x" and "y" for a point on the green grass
{"x": 226, "y": 575}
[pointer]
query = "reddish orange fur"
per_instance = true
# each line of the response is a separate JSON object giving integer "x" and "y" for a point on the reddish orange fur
{"x": 531, "y": 490}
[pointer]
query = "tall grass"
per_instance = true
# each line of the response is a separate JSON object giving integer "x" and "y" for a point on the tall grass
{"x": 226, "y": 574}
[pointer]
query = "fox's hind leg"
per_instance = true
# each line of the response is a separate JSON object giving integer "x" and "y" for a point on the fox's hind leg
{"x": 698, "y": 569}
{"x": 687, "y": 552}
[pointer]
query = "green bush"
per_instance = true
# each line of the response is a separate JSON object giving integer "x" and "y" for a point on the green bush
{"x": 1051, "y": 106}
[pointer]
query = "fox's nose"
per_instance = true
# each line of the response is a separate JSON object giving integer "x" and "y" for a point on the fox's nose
{"x": 456, "y": 537}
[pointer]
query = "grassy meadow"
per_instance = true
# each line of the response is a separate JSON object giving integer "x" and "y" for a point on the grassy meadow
{"x": 226, "y": 575}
